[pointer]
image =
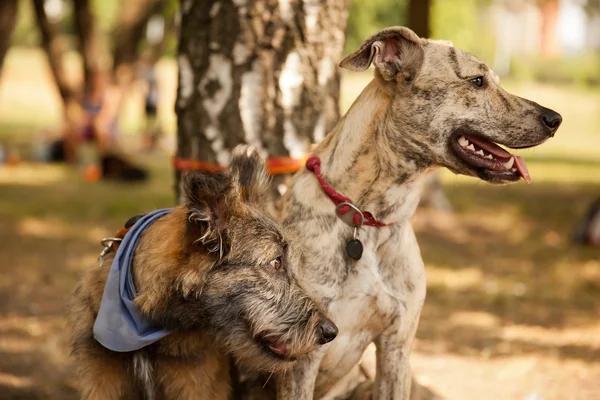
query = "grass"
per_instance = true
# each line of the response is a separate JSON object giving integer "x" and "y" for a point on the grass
{"x": 512, "y": 305}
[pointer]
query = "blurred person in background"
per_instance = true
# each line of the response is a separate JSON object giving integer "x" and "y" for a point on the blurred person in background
{"x": 147, "y": 73}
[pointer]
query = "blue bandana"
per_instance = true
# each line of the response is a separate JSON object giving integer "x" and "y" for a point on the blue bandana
{"x": 119, "y": 325}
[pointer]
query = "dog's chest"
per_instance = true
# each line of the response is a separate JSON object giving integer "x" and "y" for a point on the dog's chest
{"x": 376, "y": 294}
{"x": 365, "y": 307}
{"x": 367, "y": 301}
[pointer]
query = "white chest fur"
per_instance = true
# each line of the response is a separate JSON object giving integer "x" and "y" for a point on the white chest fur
{"x": 383, "y": 285}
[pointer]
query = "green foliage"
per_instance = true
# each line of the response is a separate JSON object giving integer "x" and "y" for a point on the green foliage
{"x": 25, "y": 33}
{"x": 465, "y": 23}
{"x": 592, "y": 6}
{"x": 584, "y": 71}
{"x": 106, "y": 17}
{"x": 461, "y": 21}
{"x": 368, "y": 16}
{"x": 106, "y": 13}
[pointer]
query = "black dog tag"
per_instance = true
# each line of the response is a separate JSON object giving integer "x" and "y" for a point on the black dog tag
{"x": 354, "y": 249}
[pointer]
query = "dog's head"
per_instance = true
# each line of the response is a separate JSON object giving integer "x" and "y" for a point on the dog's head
{"x": 219, "y": 263}
{"x": 447, "y": 108}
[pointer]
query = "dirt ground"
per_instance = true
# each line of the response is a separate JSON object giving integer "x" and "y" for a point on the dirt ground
{"x": 512, "y": 310}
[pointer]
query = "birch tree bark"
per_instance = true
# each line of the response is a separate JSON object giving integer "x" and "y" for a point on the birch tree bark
{"x": 261, "y": 72}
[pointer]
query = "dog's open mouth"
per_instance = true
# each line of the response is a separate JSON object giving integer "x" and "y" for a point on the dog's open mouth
{"x": 492, "y": 159}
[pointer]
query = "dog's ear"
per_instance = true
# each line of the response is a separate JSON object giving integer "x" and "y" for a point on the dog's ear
{"x": 441, "y": 41}
{"x": 249, "y": 171}
{"x": 393, "y": 51}
{"x": 211, "y": 199}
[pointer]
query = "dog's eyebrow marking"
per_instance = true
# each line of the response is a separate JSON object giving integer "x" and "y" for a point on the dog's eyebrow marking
{"x": 456, "y": 66}
{"x": 454, "y": 63}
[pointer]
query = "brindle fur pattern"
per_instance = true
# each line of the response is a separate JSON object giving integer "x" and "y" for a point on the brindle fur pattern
{"x": 398, "y": 129}
{"x": 206, "y": 271}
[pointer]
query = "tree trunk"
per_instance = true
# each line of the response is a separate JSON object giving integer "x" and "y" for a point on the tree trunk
{"x": 8, "y": 18}
{"x": 418, "y": 17}
{"x": 51, "y": 42}
{"x": 132, "y": 26}
{"x": 88, "y": 43}
{"x": 262, "y": 72}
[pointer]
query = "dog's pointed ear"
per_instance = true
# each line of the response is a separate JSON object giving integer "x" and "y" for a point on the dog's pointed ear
{"x": 441, "y": 41}
{"x": 249, "y": 170}
{"x": 212, "y": 200}
{"x": 393, "y": 51}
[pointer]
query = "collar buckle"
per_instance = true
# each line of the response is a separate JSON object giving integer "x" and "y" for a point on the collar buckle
{"x": 107, "y": 243}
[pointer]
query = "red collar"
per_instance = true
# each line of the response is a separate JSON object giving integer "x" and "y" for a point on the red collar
{"x": 313, "y": 164}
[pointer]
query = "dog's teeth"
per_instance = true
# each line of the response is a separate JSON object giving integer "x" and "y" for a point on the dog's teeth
{"x": 513, "y": 170}
{"x": 480, "y": 152}
{"x": 489, "y": 156}
{"x": 471, "y": 147}
{"x": 509, "y": 163}
{"x": 463, "y": 142}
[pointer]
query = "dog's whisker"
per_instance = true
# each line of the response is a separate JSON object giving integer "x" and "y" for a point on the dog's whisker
{"x": 267, "y": 381}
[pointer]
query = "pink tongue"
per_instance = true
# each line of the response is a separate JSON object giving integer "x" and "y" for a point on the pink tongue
{"x": 498, "y": 151}
{"x": 522, "y": 168}
{"x": 490, "y": 147}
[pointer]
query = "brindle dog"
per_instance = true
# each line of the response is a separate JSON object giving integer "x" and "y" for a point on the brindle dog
{"x": 429, "y": 105}
{"x": 222, "y": 276}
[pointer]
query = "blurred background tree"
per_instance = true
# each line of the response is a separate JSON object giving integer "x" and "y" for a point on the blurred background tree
{"x": 109, "y": 38}
{"x": 260, "y": 73}
{"x": 367, "y": 16}
{"x": 419, "y": 17}
{"x": 8, "y": 19}
{"x": 121, "y": 26}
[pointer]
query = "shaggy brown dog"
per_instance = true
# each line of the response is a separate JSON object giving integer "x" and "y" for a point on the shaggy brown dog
{"x": 221, "y": 275}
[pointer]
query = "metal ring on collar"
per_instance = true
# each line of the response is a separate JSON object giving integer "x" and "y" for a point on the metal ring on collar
{"x": 353, "y": 207}
{"x": 107, "y": 242}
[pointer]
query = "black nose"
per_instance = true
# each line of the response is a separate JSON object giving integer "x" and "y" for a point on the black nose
{"x": 328, "y": 331}
{"x": 551, "y": 120}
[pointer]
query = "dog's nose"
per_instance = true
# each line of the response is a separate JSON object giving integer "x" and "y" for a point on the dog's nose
{"x": 328, "y": 331}
{"x": 551, "y": 120}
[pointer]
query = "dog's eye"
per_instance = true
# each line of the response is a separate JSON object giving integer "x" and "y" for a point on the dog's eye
{"x": 477, "y": 81}
{"x": 276, "y": 263}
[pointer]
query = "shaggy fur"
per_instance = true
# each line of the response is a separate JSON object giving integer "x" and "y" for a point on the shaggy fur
{"x": 219, "y": 273}
{"x": 424, "y": 96}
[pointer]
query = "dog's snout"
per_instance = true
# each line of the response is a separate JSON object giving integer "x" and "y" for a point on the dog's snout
{"x": 551, "y": 119}
{"x": 328, "y": 330}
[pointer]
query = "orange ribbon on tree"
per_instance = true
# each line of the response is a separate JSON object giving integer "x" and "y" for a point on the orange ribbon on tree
{"x": 275, "y": 165}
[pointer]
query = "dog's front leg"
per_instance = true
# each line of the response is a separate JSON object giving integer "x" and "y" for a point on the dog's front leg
{"x": 393, "y": 379}
{"x": 394, "y": 344}
{"x": 298, "y": 382}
